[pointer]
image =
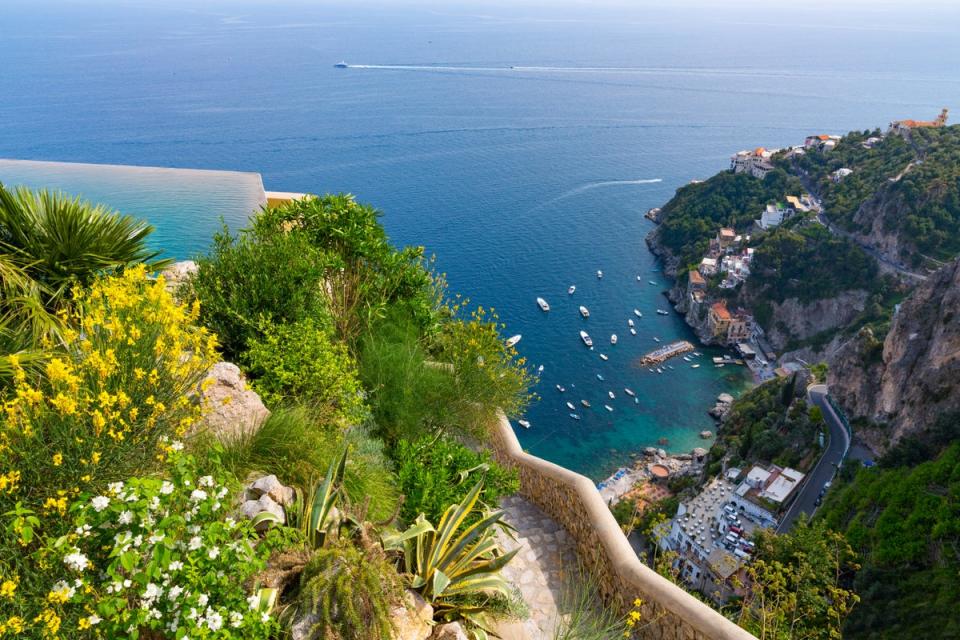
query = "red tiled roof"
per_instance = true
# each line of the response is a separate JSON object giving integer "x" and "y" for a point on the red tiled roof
{"x": 720, "y": 310}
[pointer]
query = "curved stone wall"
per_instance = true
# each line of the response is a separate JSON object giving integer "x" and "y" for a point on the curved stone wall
{"x": 669, "y": 612}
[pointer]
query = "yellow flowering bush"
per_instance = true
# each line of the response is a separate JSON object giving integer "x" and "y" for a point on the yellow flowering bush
{"x": 110, "y": 403}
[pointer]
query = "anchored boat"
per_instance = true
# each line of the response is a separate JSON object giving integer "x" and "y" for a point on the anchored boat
{"x": 587, "y": 340}
{"x": 513, "y": 340}
{"x": 584, "y": 311}
{"x": 543, "y": 304}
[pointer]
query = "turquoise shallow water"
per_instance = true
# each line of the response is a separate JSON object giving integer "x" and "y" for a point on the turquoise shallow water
{"x": 522, "y": 181}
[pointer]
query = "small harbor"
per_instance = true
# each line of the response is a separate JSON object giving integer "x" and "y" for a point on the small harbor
{"x": 664, "y": 353}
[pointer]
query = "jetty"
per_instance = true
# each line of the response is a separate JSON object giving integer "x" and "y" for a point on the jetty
{"x": 664, "y": 353}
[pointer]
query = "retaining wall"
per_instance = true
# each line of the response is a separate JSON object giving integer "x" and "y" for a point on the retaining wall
{"x": 669, "y": 612}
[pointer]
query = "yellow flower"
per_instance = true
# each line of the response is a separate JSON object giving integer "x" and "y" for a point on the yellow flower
{"x": 14, "y": 624}
{"x": 56, "y": 504}
{"x": 638, "y": 602}
{"x": 57, "y": 459}
{"x": 65, "y": 405}
{"x": 9, "y": 481}
{"x": 95, "y": 457}
{"x": 635, "y": 615}
{"x": 50, "y": 620}
{"x": 631, "y": 622}
{"x": 58, "y": 596}
{"x": 7, "y": 589}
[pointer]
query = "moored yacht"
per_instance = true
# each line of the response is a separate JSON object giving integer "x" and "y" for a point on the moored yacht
{"x": 513, "y": 340}
{"x": 608, "y": 407}
{"x": 524, "y": 423}
{"x": 543, "y": 304}
{"x": 599, "y": 274}
{"x": 572, "y": 288}
{"x": 604, "y": 357}
{"x": 571, "y": 407}
{"x": 629, "y": 392}
{"x": 662, "y": 312}
{"x": 637, "y": 313}
{"x": 585, "y": 403}
{"x": 613, "y": 338}
{"x": 629, "y": 322}
{"x": 584, "y": 311}
{"x": 586, "y": 338}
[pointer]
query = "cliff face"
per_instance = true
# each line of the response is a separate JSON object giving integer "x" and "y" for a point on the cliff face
{"x": 793, "y": 320}
{"x": 902, "y": 384}
{"x": 670, "y": 261}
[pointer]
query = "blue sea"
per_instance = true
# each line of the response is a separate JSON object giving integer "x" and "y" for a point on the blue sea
{"x": 520, "y": 142}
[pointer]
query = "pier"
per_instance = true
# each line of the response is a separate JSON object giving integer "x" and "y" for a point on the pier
{"x": 664, "y": 353}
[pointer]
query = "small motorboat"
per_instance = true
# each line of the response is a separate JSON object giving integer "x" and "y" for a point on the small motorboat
{"x": 571, "y": 289}
{"x": 659, "y": 370}
{"x": 543, "y": 304}
{"x": 686, "y": 358}
{"x": 656, "y": 339}
{"x": 651, "y": 370}
{"x": 637, "y": 313}
{"x": 604, "y": 357}
{"x": 697, "y": 353}
{"x": 718, "y": 365}
{"x": 587, "y": 340}
{"x": 633, "y": 331}
{"x": 639, "y": 278}
{"x": 341, "y": 65}
{"x": 599, "y": 274}
{"x": 524, "y": 423}
{"x": 574, "y": 416}
{"x": 585, "y": 403}
{"x": 610, "y": 393}
{"x": 540, "y": 369}
{"x": 636, "y": 401}
{"x": 630, "y": 322}
{"x": 670, "y": 366}
{"x": 584, "y": 311}
{"x": 608, "y": 407}
{"x": 513, "y": 340}
{"x": 662, "y": 312}
{"x": 571, "y": 407}
{"x": 613, "y": 338}
{"x": 560, "y": 389}
{"x": 599, "y": 377}
{"x": 629, "y": 392}
{"x": 694, "y": 366}
{"x": 651, "y": 282}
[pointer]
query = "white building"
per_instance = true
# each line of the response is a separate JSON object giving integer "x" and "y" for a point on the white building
{"x": 822, "y": 142}
{"x": 756, "y": 163}
{"x": 840, "y": 174}
{"x": 774, "y": 215}
{"x": 764, "y": 491}
{"x": 708, "y": 267}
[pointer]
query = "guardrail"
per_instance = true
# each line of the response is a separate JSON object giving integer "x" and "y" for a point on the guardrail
{"x": 669, "y": 612}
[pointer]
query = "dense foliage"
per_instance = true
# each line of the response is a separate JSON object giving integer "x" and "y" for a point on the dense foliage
{"x": 905, "y": 523}
{"x": 697, "y": 211}
{"x": 435, "y": 472}
{"x": 769, "y": 424}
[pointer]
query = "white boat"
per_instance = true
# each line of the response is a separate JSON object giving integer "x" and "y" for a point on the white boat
{"x": 599, "y": 377}
{"x": 560, "y": 389}
{"x": 571, "y": 407}
{"x": 686, "y": 358}
{"x": 584, "y": 311}
{"x": 604, "y": 357}
{"x": 585, "y": 403}
{"x": 540, "y": 369}
{"x": 639, "y": 278}
{"x": 629, "y": 392}
{"x": 651, "y": 370}
{"x": 513, "y": 340}
{"x": 717, "y": 360}
{"x": 543, "y": 304}
{"x": 524, "y": 423}
{"x": 694, "y": 366}
{"x": 662, "y": 312}
{"x": 670, "y": 366}
{"x": 659, "y": 370}
{"x": 718, "y": 365}
{"x": 636, "y": 401}
{"x": 608, "y": 407}
{"x": 651, "y": 282}
{"x": 341, "y": 65}
{"x": 656, "y": 339}
{"x": 613, "y": 338}
{"x": 630, "y": 322}
{"x": 574, "y": 416}
{"x": 586, "y": 338}
{"x": 697, "y": 353}
{"x": 572, "y": 288}
{"x": 610, "y": 393}
{"x": 633, "y": 331}
{"x": 599, "y": 274}
{"x": 637, "y": 313}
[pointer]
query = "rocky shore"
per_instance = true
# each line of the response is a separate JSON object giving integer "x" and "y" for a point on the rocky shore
{"x": 652, "y": 465}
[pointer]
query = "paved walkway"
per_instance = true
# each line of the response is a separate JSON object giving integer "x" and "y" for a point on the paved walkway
{"x": 541, "y": 567}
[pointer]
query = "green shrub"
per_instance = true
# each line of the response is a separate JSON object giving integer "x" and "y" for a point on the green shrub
{"x": 251, "y": 281}
{"x": 298, "y": 445}
{"x": 300, "y": 362}
{"x": 437, "y": 472}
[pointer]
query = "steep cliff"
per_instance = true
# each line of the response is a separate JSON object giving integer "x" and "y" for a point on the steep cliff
{"x": 793, "y": 321}
{"x": 902, "y": 384}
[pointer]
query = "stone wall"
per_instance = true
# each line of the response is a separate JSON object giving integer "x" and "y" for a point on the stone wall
{"x": 669, "y": 612}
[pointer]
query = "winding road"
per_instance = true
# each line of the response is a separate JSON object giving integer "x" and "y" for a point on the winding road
{"x": 826, "y": 467}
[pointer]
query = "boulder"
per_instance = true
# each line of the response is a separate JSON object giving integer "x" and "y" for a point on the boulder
{"x": 178, "y": 273}
{"x": 699, "y": 453}
{"x": 725, "y": 398}
{"x": 412, "y": 619}
{"x": 449, "y": 631}
{"x": 252, "y": 508}
{"x": 649, "y": 451}
{"x": 269, "y": 485}
{"x": 706, "y": 435}
{"x": 230, "y": 408}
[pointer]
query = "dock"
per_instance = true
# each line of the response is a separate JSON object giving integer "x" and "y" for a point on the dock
{"x": 664, "y": 353}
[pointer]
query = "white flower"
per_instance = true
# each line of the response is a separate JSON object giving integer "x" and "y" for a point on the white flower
{"x": 76, "y": 560}
{"x": 193, "y": 529}
{"x": 176, "y": 445}
{"x": 176, "y": 565}
{"x": 198, "y": 495}
{"x": 214, "y": 620}
{"x": 205, "y": 481}
{"x": 265, "y": 617}
{"x": 166, "y": 488}
{"x": 94, "y": 619}
{"x": 100, "y": 503}
{"x": 222, "y": 492}
{"x": 127, "y": 583}
{"x": 63, "y": 588}
{"x": 174, "y": 592}
{"x": 152, "y": 592}
{"x": 215, "y": 506}
{"x": 195, "y": 543}
{"x": 115, "y": 487}
{"x": 138, "y": 541}
{"x": 203, "y": 599}
{"x": 83, "y": 531}
{"x": 213, "y": 553}
{"x": 126, "y": 517}
{"x": 155, "y": 538}
{"x": 154, "y": 503}
{"x": 236, "y": 618}
{"x": 230, "y": 522}
{"x": 253, "y": 601}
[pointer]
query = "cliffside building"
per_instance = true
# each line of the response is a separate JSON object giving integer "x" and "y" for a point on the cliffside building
{"x": 841, "y": 173}
{"x": 901, "y": 127}
{"x": 756, "y": 163}
{"x": 708, "y": 267}
{"x": 821, "y": 142}
{"x": 774, "y": 215}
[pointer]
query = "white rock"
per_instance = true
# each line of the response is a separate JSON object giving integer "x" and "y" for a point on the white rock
{"x": 178, "y": 273}
{"x": 272, "y": 487}
{"x": 449, "y": 631}
{"x": 413, "y": 618}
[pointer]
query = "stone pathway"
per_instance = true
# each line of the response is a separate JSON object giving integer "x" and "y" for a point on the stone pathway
{"x": 546, "y": 558}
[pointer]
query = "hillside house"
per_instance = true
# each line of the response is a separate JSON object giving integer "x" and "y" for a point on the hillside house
{"x": 841, "y": 173}
{"x": 821, "y": 142}
{"x": 901, "y": 127}
{"x": 774, "y": 215}
{"x": 757, "y": 162}
{"x": 708, "y": 267}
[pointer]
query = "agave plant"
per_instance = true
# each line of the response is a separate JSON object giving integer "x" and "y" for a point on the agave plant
{"x": 445, "y": 563}
{"x": 61, "y": 241}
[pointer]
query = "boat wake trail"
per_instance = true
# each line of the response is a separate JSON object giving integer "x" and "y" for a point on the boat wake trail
{"x": 595, "y": 185}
